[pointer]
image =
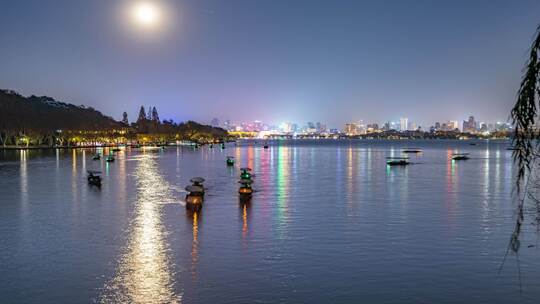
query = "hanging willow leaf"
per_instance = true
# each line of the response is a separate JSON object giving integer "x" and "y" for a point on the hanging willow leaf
{"x": 524, "y": 114}
{"x": 526, "y": 137}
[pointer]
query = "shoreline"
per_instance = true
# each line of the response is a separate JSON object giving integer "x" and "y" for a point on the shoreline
{"x": 251, "y": 139}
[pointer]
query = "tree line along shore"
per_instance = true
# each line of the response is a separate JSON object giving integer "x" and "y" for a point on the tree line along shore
{"x": 43, "y": 122}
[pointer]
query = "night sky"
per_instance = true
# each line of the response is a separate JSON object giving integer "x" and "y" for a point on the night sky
{"x": 328, "y": 61}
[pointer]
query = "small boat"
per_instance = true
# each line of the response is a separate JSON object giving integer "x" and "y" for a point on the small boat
{"x": 96, "y": 156}
{"x": 116, "y": 150}
{"x": 472, "y": 144}
{"x": 110, "y": 159}
{"x": 94, "y": 178}
{"x": 245, "y": 174}
{"x": 230, "y": 161}
{"x": 194, "y": 197}
{"x": 460, "y": 156}
{"x": 223, "y": 146}
{"x": 411, "y": 150}
{"x": 245, "y": 191}
{"x": 397, "y": 161}
{"x": 265, "y": 146}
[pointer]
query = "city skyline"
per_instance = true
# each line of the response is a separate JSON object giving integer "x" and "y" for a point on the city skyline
{"x": 240, "y": 59}
{"x": 468, "y": 125}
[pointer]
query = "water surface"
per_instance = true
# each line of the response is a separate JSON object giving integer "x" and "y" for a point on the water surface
{"x": 329, "y": 223}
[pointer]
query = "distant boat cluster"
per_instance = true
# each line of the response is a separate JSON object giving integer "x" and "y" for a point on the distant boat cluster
{"x": 404, "y": 161}
{"x": 196, "y": 190}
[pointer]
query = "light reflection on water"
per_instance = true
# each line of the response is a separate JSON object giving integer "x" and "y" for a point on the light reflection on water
{"x": 144, "y": 273}
{"x": 24, "y": 179}
{"x": 283, "y": 182}
{"x": 244, "y": 221}
{"x": 194, "y": 243}
{"x": 329, "y": 222}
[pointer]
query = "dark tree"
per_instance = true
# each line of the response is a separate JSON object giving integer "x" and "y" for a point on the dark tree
{"x": 125, "y": 120}
{"x": 142, "y": 115}
{"x": 155, "y": 116}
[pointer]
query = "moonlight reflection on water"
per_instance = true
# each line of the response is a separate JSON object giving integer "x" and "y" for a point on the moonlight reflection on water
{"x": 144, "y": 272}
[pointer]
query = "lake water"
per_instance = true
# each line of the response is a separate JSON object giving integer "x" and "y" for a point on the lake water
{"x": 329, "y": 223}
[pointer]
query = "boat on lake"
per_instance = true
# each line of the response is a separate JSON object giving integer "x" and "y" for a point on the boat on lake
{"x": 460, "y": 156}
{"x": 411, "y": 150}
{"x": 97, "y": 156}
{"x": 195, "y": 194}
{"x": 194, "y": 197}
{"x": 230, "y": 161}
{"x": 245, "y": 191}
{"x": 246, "y": 180}
{"x": 94, "y": 178}
{"x": 397, "y": 161}
{"x": 245, "y": 173}
{"x": 110, "y": 159}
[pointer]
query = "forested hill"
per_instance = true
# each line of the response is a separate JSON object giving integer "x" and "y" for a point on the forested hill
{"x": 46, "y": 114}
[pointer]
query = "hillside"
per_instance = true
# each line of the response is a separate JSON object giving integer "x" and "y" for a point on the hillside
{"x": 44, "y": 121}
{"x": 19, "y": 113}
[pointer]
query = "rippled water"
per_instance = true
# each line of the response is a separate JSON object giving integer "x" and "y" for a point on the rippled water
{"x": 329, "y": 223}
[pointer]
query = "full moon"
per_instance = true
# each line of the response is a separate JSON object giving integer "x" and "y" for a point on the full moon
{"x": 146, "y": 14}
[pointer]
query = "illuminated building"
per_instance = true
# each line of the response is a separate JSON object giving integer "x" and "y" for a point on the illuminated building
{"x": 469, "y": 126}
{"x": 351, "y": 129}
{"x": 453, "y": 124}
{"x": 403, "y": 124}
{"x": 286, "y": 127}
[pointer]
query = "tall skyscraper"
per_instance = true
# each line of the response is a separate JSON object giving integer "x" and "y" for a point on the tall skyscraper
{"x": 469, "y": 126}
{"x": 403, "y": 124}
{"x": 452, "y": 125}
{"x": 351, "y": 129}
